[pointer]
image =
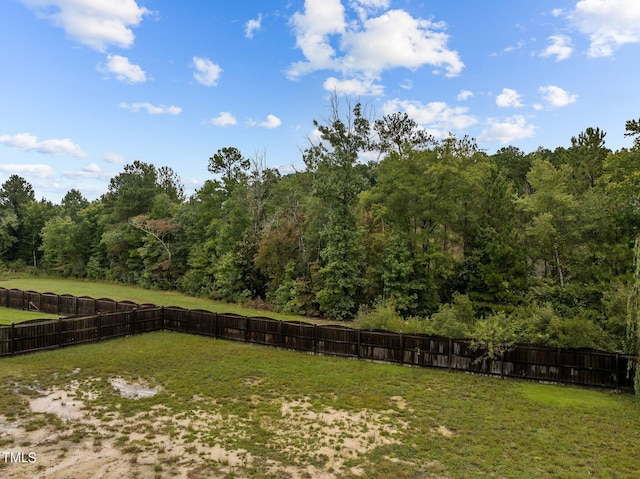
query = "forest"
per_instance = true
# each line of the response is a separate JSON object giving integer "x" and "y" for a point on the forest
{"x": 425, "y": 235}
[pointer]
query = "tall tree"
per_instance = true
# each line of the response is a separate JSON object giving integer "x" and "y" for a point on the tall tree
{"x": 632, "y": 128}
{"x": 337, "y": 183}
{"x": 16, "y": 194}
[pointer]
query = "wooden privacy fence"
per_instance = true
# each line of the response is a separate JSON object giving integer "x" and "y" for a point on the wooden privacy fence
{"x": 88, "y": 320}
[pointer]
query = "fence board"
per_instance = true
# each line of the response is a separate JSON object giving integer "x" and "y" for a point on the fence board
{"x": 4, "y": 297}
{"x": 202, "y": 322}
{"x": 33, "y": 301}
{"x": 105, "y": 305}
{"x": 49, "y": 302}
{"x": 68, "y": 305}
{"x": 86, "y": 306}
{"x": 337, "y": 341}
{"x": 105, "y": 318}
{"x": 16, "y": 299}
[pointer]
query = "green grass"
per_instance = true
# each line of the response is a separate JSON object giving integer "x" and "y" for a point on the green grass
{"x": 8, "y": 316}
{"x": 119, "y": 292}
{"x": 502, "y": 429}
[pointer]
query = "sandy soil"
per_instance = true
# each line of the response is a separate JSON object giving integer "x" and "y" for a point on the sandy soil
{"x": 79, "y": 442}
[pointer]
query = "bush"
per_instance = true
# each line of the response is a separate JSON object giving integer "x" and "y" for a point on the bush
{"x": 383, "y": 316}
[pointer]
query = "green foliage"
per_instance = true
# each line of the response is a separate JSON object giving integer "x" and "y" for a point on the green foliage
{"x": 495, "y": 335}
{"x": 455, "y": 320}
{"x": 539, "y": 243}
{"x": 383, "y": 316}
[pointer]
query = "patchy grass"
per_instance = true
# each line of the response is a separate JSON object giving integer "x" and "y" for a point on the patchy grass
{"x": 250, "y": 411}
{"x": 8, "y": 316}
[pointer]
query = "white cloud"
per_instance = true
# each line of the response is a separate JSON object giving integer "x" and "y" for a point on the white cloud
{"x": 367, "y": 46}
{"x": 560, "y": 47}
{"x": 464, "y": 95}
{"x": 114, "y": 158}
{"x": 123, "y": 69}
{"x": 364, "y": 8}
{"x": 37, "y": 170}
{"x": 437, "y": 117}
{"x": 91, "y": 171}
{"x": 320, "y": 19}
{"x": 508, "y": 98}
{"x": 556, "y": 12}
{"x": 513, "y": 128}
{"x": 406, "y": 84}
{"x": 557, "y": 97}
{"x": 151, "y": 109}
{"x": 609, "y": 24}
{"x": 28, "y": 142}
{"x": 207, "y": 73}
{"x": 95, "y": 23}
{"x": 271, "y": 122}
{"x": 253, "y": 26}
{"x": 223, "y": 119}
{"x": 354, "y": 87}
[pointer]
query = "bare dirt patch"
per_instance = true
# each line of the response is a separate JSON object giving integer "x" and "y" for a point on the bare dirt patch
{"x": 74, "y": 434}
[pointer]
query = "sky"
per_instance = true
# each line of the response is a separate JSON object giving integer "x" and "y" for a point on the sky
{"x": 88, "y": 86}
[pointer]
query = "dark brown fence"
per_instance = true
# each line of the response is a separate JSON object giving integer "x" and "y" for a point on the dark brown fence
{"x": 89, "y": 320}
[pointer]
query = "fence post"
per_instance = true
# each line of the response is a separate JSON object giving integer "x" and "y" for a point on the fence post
{"x": 282, "y": 341}
{"x": 59, "y": 332}
{"x": 163, "y": 328}
{"x": 134, "y": 313}
{"x": 617, "y": 371}
{"x": 315, "y": 339}
{"x": 12, "y": 343}
{"x": 57, "y": 304}
{"x": 246, "y": 329}
{"x": 186, "y": 321}
{"x": 359, "y": 343}
{"x": 215, "y": 325}
{"x": 401, "y": 348}
{"x": 559, "y": 363}
{"x": 450, "y": 352}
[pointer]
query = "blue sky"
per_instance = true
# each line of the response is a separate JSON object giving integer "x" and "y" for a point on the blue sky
{"x": 89, "y": 86}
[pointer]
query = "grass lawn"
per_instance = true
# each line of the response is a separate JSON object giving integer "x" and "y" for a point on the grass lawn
{"x": 8, "y": 316}
{"x": 121, "y": 292}
{"x": 238, "y": 410}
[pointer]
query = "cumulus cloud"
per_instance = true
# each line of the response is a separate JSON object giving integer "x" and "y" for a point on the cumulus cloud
{"x": 253, "y": 26}
{"x": 37, "y": 170}
{"x": 464, "y": 95}
{"x": 271, "y": 122}
{"x": 560, "y": 47}
{"x": 354, "y": 87}
{"x": 28, "y": 142}
{"x": 557, "y": 97}
{"x": 207, "y": 73}
{"x": 437, "y": 117}
{"x": 151, "y": 109}
{"x": 508, "y": 98}
{"x": 114, "y": 158}
{"x": 365, "y": 47}
{"x": 609, "y": 24}
{"x": 95, "y": 23}
{"x": 224, "y": 118}
{"x": 512, "y": 128}
{"x": 123, "y": 69}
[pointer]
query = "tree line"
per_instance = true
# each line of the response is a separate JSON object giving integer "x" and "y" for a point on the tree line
{"x": 433, "y": 235}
